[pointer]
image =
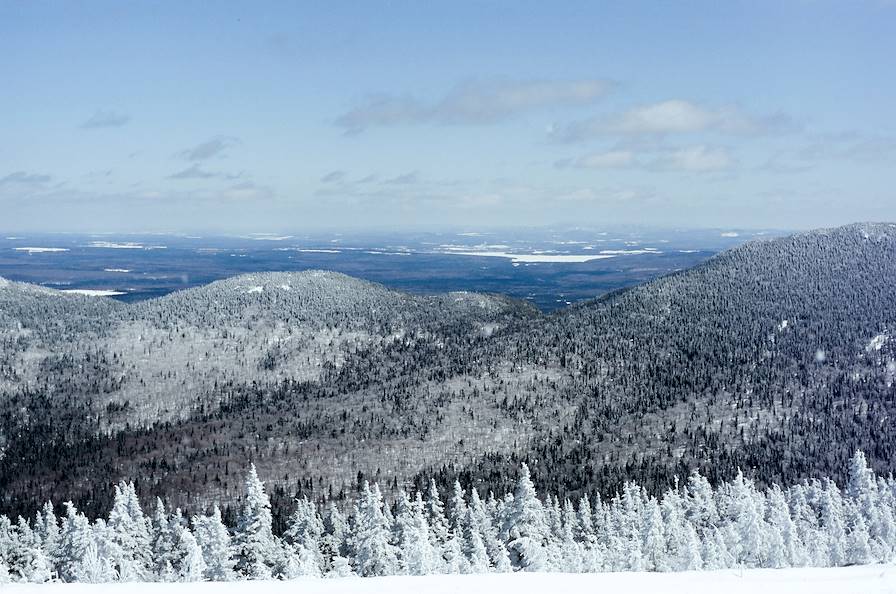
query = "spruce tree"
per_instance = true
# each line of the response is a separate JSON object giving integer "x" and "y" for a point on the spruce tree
{"x": 217, "y": 551}
{"x": 525, "y": 526}
{"x": 192, "y": 564}
{"x": 374, "y": 554}
{"x": 255, "y": 550}
{"x": 304, "y": 533}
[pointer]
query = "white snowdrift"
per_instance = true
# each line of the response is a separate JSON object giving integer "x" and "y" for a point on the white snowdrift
{"x": 863, "y": 579}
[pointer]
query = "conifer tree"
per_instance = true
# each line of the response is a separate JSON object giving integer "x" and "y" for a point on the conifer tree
{"x": 438, "y": 525}
{"x": 47, "y": 529}
{"x": 162, "y": 543}
{"x": 304, "y": 534}
{"x": 479, "y": 514}
{"x": 214, "y": 540}
{"x": 654, "y": 547}
{"x": 334, "y": 544}
{"x": 192, "y": 564}
{"x": 418, "y": 557}
{"x": 374, "y": 554}
{"x": 127, "y": 531}
{"x": 79, "y": 559}
{"x": 255, "y": 550}
{"x": 525, "y": 527}
{"x": 572, "y": 551}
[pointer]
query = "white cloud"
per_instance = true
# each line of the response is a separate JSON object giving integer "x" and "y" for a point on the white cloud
{"x": 671, "y": 117}
{"x": 472, "y": 103}
{"x": 698, "y": 158}
{"x": 665, "y": 117}
{"x": 611, "y": 195}
{"x": 607, "y": 160}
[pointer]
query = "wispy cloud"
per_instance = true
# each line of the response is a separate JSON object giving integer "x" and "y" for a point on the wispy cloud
{"x": 671, "y": 117}
{"x": 844, "y": 147}
{"x": 333, "y": 177}
{"x": 247, "y": 191}
{"x": 106, "y": 119}
{"x": 210, "y": 148}
{"x": 403, "y": 179}
{"x": 616, "y": 159}
{"x": 196, "y": 171}
{"x": 193, "y": 172}
{"x": 24, "y": 179}
{"x": 472, "y": 103}
{"x": 698, "y": 159}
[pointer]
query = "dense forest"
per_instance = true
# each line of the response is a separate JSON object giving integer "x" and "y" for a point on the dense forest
{"x": 690, "y": 527}
{"x": 774, "y": 358}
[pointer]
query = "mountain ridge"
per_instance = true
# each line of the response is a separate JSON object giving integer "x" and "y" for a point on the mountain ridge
{"x": 774, "y": 355}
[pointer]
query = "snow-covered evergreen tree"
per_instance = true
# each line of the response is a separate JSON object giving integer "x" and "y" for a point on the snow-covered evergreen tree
{"x": 746, "y": 507}
{"x": 654, "y": 538}
{"x": 303, "y": 535}
{"x": 586, "y": 536}
{"x": 217, "y": 551}
{"x": 255, "y": 550}
{"x": 191, "y": 561}
{"x": 478, "y": 514}
{"x": 334, "y": 543}
{"x": 525, "y": 527}
{"x": 46, "y": 526}
{"x": 572, "y": 553}
{"x": 79, "y": 559}
{"x": 438, "y": 526}
{"x": 417, "y": 555}
{"x": 162, "y": 543}
{"x": 696, "y": 527}
{"x": 374, "y": 554}
{"x": 127, "y": 531}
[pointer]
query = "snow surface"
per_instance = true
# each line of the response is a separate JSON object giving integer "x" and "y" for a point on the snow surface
{"x": 538, "y": 258}
{"x": 269, "y": 237}
{"x": 862, "y": 579}
{"x": 40, "y": 250}
{"x": 94, "y": 292}
{"x": 128, "y": 245}
{"x": 632, "y": 252}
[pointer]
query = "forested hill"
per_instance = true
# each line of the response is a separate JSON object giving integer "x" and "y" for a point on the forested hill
{"x": 774, "y": 357}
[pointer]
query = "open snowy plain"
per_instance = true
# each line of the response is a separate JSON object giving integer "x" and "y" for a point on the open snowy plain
{"x": 863, "y": 579}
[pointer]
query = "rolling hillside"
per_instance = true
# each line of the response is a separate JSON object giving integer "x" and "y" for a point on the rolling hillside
{"x": 775, "y": 355}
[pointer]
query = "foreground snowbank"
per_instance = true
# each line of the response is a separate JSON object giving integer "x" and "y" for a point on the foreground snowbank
{"x": 865, "y": 579}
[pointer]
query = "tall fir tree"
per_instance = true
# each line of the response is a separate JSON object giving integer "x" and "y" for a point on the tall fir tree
{"x": 255, "y": 550}
{"x": 215, "y": 542}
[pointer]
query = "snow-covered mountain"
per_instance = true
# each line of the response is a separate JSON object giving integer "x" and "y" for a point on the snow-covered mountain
{"x": 774, "y": 356}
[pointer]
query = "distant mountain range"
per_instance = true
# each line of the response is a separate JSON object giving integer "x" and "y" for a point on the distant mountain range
{"x": 774, "y": 357}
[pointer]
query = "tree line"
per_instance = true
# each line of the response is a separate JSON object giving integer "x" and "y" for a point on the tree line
{"x": 692, "y": 526}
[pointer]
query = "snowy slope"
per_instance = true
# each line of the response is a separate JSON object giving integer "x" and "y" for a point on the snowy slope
{"x": 865, "y": 579}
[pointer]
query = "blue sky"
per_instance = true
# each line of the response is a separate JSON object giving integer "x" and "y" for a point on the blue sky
{"x": 197, "y": 116}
